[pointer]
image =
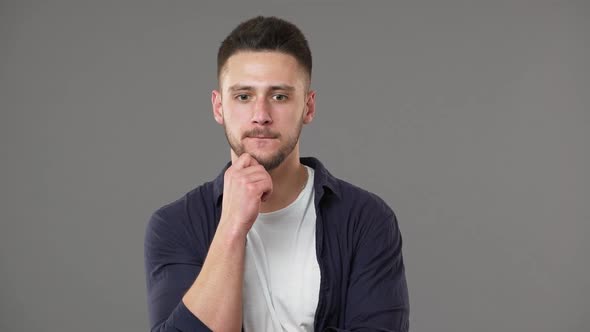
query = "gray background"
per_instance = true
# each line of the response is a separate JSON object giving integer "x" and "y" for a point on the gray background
{"x": 470, "y": 118}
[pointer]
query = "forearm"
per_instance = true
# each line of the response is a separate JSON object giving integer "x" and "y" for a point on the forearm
{"x": 216, "y": 295}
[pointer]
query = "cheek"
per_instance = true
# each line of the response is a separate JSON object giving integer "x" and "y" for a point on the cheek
{"x": 234, "y": 120}
{"x": 288, "y": 111}
{"x": 235, "y": 112}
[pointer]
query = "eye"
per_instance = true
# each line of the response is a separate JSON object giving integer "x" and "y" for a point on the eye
{"x": 242, "y": 97}
{"x": 280, "y": 97}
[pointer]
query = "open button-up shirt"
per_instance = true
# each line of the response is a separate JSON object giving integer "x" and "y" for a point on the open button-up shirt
{"x": 358, "y": 246}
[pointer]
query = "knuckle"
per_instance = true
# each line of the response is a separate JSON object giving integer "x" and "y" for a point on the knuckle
{"x": 251, "y": 187}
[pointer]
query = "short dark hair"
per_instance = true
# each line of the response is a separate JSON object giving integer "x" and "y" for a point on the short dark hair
{"x": 266, "y": 34}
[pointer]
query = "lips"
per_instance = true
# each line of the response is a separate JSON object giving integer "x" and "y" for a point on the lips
{"x": 263, "y": 137}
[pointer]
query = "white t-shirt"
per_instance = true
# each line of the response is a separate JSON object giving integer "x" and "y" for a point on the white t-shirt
{"x": 282, "y": 275}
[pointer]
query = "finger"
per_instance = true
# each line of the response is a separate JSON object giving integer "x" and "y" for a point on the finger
{"x": 253, "y": 161}
{"x": 252, "y": 169}
{"x": 253, "y": 177}
{"x": 243, "y": 161}
{"x": 264, "y": 188}
{"x": 264, "y": 196}
{"x": 267, "y": 191}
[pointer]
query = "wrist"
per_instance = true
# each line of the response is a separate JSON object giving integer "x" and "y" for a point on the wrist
{"x": 231, "y": 230}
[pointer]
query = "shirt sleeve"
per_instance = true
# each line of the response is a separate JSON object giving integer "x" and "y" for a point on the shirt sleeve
{"x": 171, "y": 266}
{"x": 377, "y": 293}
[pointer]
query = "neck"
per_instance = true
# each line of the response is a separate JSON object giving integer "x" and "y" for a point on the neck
{"x": 288, "y": 180}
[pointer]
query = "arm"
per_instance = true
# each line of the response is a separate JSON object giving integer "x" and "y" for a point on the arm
{"x": 377, "y": 293}
{"x": 216, "y": 295}
{"x": 172, "y": 265}
{"x": 185, "y": 295}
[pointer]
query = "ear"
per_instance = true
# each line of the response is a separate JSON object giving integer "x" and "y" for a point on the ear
{"x": 309, "y": 111}
{"x": 217, "y": 108}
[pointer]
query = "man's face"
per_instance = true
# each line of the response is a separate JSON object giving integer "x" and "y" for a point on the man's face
{"x": 263, "y": 104}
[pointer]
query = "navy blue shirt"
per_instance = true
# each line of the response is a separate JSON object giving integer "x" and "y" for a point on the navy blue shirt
{"x": 358, "y": 246}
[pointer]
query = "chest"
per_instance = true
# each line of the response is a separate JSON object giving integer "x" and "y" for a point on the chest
{"x": 281, "y": 274}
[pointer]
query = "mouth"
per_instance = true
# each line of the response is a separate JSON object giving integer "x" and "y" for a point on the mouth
{"x": 260, "y": 141}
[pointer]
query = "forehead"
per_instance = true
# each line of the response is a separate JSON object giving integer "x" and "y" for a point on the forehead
{"x": 262, "y": 69}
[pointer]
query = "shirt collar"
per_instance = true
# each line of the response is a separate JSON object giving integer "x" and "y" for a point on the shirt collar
{"x": 322, "y": 179}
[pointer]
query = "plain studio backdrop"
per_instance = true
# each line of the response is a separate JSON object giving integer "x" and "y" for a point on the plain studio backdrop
{"x": 471, "y": 119}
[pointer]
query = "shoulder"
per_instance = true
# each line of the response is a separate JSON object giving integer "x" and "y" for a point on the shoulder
{"x": 361, "y": 211}
{"x": 198, "y": 198}
{"x": 344, "y": 201}
{"x": 359, "y": 218}
{"x": 185, "y": 220}
{"x": 362, "y": 201}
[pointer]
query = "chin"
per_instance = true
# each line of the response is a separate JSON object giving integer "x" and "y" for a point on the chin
{"x": 269, "y": 163}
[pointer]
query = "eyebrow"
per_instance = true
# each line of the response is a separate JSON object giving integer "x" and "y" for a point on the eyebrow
{"x": 239, "y": 87}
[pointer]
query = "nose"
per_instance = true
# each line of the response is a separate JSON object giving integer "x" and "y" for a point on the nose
{"x": 262, "y": 112}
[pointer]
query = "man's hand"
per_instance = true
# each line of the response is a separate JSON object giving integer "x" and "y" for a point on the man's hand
{"x": 246, "y": 185}
{"x": 215, "y": 297}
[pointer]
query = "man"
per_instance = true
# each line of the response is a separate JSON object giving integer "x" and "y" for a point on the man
{"x": 275, "y": 242}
